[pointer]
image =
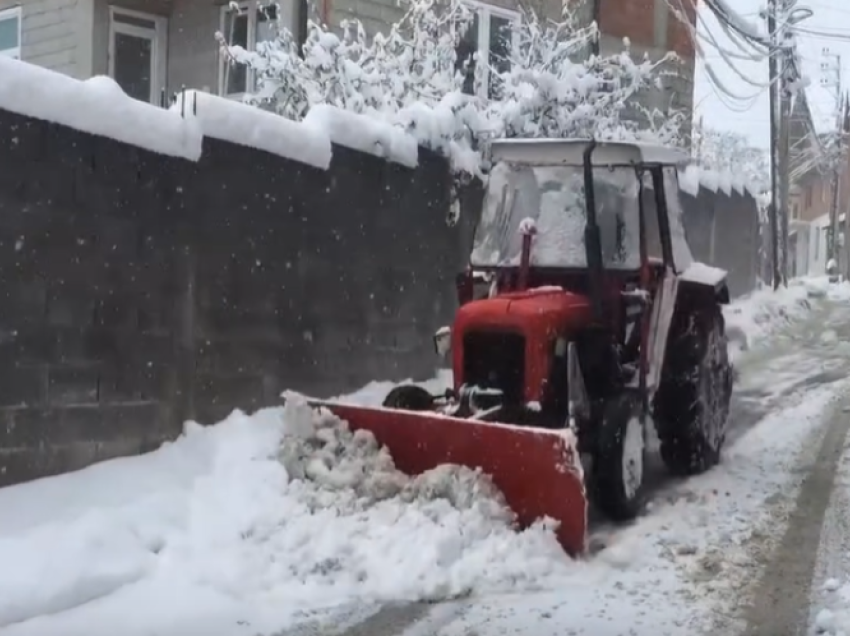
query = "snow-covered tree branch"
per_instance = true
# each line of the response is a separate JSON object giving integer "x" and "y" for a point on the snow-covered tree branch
{"x": 413, "y": 77}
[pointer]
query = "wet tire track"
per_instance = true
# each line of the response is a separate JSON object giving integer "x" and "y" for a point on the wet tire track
{"x": 781, "y": 601}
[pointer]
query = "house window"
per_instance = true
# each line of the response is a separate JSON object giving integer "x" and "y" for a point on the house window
{"x": 487, "y": 42}
{"x": 137, "y": 53}
{"x": 245, "y": 26}
{"x": 10, "y": 33}
{"x": 808, "y": 196}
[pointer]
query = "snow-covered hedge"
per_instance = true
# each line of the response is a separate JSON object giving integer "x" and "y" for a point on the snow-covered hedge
{"x": 411, "y": 78}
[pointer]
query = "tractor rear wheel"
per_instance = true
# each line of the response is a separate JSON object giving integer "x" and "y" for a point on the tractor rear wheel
{"x": 409, "y": 397}
{"x": 618, "y": 464}
{"x": 692, "y": 402}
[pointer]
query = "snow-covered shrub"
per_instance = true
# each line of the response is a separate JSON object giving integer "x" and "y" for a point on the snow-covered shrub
{"x": 411, "y": 76}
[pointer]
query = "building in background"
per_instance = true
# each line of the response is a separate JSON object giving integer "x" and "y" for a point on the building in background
{"x": 156, "y": 47}
{"x": 810, "y": 195}
{"x": 653, "y": 29}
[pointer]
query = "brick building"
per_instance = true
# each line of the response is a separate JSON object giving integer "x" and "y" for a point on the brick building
{"x": 156, "y": 46}
{"x": 653, "y": 29}
{"x": 811, "y": 195}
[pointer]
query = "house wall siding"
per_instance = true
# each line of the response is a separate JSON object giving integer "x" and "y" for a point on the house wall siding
{"x": 50, "y": 33}
{"x": 193, "y": 50}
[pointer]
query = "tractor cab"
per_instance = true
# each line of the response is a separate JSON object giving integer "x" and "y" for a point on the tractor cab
{"x": 582, "y": 213}
{"x": 575, "y": 241}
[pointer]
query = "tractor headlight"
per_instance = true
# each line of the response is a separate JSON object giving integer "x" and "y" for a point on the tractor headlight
{"x": 443, "y": 341}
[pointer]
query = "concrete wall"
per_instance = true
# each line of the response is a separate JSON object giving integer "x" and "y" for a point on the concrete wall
{"x": 138, "y": 290}
{"x": 56, "y": 34}
{"x": 724, "y": 231}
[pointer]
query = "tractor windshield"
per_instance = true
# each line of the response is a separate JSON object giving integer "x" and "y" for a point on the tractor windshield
{"x": 553, "y": 196}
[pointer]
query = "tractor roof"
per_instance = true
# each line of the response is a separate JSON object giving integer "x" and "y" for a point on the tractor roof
{"x": 569, "y": 152}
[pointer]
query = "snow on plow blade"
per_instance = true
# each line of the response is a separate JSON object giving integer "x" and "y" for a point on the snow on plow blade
{"x": 537, "y": 470}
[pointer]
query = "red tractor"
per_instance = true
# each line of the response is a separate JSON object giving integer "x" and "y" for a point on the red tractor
{"x": 583, "y": 320}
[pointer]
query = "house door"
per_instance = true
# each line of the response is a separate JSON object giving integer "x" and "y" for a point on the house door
{"x": 137, "y": 55}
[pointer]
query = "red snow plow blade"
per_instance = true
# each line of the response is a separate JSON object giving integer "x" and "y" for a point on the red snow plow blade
{"x": 534, "y": 468}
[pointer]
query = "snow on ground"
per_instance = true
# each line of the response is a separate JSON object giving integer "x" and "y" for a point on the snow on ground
{"x": 262, "y": 521}
{"x": 672, "y": 571}
{"x": 245, "y": 521}
{"x": 242, "y": 527}
{"x": 754, "y": 317}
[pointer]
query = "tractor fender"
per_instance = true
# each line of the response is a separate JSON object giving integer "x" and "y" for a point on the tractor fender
{"x": 701, "y": 286}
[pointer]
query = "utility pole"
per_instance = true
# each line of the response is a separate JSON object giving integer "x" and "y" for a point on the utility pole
{"x": 774, "y": 91}
{"x": 831, "y": 68}
{"x": 789, "y": 76}
{"x": 784, "y": 78}
{"x": 843, "y": 130}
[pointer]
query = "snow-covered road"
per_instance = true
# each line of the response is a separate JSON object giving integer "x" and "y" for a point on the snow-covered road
{"x": 214, "y": 536}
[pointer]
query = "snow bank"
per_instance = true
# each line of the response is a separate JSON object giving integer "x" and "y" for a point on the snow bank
{"x": 97, "y": 106}
{"x": 752, "y": 318}
{"x": 283, "y": 507}
{"x": 834, "y": 620}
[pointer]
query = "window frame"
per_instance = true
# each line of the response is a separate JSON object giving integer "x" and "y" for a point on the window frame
{"x": 251, "y": 9}
{"x": 158, "y": 36}
{"x": 13, "y": 13}
{"x": 485, "y": 12}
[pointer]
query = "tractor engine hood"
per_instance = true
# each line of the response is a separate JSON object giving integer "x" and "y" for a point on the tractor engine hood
{"x": 539, "y": 315}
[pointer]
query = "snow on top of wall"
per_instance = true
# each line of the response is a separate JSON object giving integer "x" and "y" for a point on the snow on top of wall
{"x": 363, "y": 133}
{"x": 692, "y": 177}
{"x": 689, "y": 180}
{"x": 434, "y": 127}
{"x": 246, "y": 125}
{"x": 97, "y": 106}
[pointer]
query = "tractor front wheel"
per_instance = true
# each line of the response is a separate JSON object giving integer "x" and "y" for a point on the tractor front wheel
{"x": 409, "y": 397}
{"x": 618, "y": 464}
{"x": 692, "y": 402}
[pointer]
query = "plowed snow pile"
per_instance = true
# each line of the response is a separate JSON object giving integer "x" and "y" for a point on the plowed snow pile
{"x": 753, "y": 318}
{"x": 286, "y": 506}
